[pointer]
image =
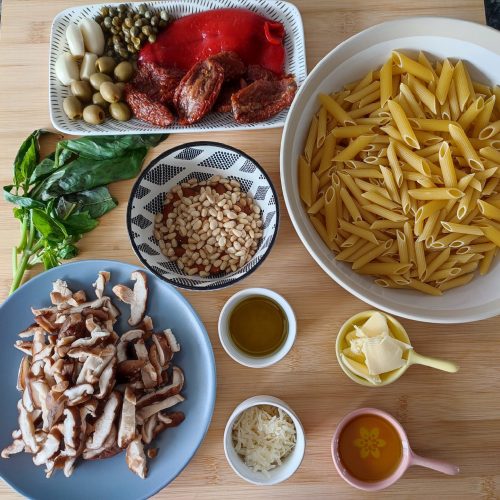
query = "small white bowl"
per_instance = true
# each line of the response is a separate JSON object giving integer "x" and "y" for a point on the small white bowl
{"x": 290, "y": 464}
{"x": 234, "y": 351}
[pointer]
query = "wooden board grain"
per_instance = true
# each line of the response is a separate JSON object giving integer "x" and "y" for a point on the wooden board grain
{"x": 452, "y": 417}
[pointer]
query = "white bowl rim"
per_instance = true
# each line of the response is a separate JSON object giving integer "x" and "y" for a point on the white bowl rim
{"x": 300, "y": 438}
{"x": 472, "y": 28}
{"x": 242, "y": 358}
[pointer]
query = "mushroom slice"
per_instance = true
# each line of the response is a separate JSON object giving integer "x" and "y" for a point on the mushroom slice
{"x": 155, "y": 362}
{"x": 146, "y": 324}
{"x": 93, "y": 304}
{"x": 100, "y": 283}
{"x": 159, "y": 350}
{"x": 73, "y": 326}
{"x": 106, "y": 381}
{"x": 60, "y": 292}
{"x": 108, "y": 449}
{"x": 30, "y": 331}
{"x": 164, "y": 392}
{"x": 148, "y": 428}
{"x": 172, "y": 341}
{"x": 136, "y": 298}
{"x": 136, "y": 459}
{"x": 80, "y": 297}
{"x": 127, "y": 369}
{"x": 54, "y": 407}
{"x": 49, "y": 448}
{"x": 149, "y": 410}
{"x": 126, "y": 431}
{"x": 46, "y": 324}
{"x": 170, "y": 420}
{"x": 104, "y": 423}
{"x": 95, "y": 337}
{"x": 71, "y": 429}
{"x": 78, "y": 393}
{"x": 92, "y": 369}
{"x": 27, "y": 427}
{"x": 44, "y": 353}
{"x": 24, "y": 367}
{"x": 17, "y": 446}
{"x": 25, "y": 346}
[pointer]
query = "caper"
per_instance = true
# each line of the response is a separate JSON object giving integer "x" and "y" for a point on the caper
{"x": 72, "y": 107}
{"x": 82, "y": 90}
{"x": 154, "y": 21}
{"x": 93, "y": 114}
{"x": 147, "y": 30}
{"x": 122, "y": 8}
{"x": 135, "y": 40}
{"x": 131, "y": 48}
{"x": 134, "y": 31}
{"x": 128, "y": 22}
{"x": 97, "y": 79}
{"x": 138, "y": 23}
{"x": 115, "y": 30}
{"x": 98, "y": 99}
{"x": 119, "y": 111}
{"x": 124, "y": 71}
{"x": 112, "y": 11}
{"x": 105, "y": 65}
{"x": 104, "y": 11}
{"x": 108, "y": 22}
{"x": 142, "y": 37}
{"x": 152, "y": 38}
{"x": 142, "y": 8}
{"x": 126, "y": 37}
{"x": 164, "y": 15}
{"x": 123, "y": 53}
{"x": 117, "y": 21}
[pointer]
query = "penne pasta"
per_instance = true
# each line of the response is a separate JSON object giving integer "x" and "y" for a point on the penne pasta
{"x": 385, "y": 82}
{"x": 331, "y": 216}
{"x": 444, "y": 82}
{"x": 413, "y": 67}
{"x": 465, "y": 147}
{"x": 321, "y": 133}
{"x": 461, "y": 85}
{"x": 335, "y": 110}
{"x": 403, "y": 124}
{"x": 354, "y": 148}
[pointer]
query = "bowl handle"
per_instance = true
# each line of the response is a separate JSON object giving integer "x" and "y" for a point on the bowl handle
{"x": 437, "y": 465}
{"x": 417, "y": 359}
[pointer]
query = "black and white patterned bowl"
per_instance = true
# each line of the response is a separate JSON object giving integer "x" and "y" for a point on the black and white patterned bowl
{"x": 201, "y": 160}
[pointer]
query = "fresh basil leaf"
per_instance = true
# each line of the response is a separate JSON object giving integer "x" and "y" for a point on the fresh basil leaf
{"x": 19, "y": 213}
{"x": 106, "y": 147}
{"x": 96, "y": 202}
{"x": 49, "y": 259}
{"x": 67, "y": 251}
{"x": 79, "y": 223}
{"x": 21, "y": 201}
{"x": 83, "y": 174}
{"x": 44, "y": 168}
{"x": 64, "y": 156}
{"x": 26, "y": 158}
{"x": 50, "y": 228}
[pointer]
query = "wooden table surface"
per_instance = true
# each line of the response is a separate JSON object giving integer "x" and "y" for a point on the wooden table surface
{"x": 452, "y": 417}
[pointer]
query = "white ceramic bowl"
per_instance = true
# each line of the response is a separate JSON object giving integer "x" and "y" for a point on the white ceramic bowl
{"x": 479, "y": 46}
{"x": 290, "y": 464}
{"x": 232, "y": 349}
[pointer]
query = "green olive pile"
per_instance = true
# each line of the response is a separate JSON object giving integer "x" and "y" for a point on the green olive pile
{"x": 102, "y": 93}
{"x": 126, "y": 30}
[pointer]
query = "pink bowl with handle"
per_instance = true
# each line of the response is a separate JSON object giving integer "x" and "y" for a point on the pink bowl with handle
{"x": 408, "y": 456}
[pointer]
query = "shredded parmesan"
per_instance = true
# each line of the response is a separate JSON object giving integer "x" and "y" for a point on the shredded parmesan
{"x": 263, "y": 436}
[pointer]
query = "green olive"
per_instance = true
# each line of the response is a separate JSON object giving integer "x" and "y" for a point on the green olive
{"x": 93, "y": 114}
{"x": 98, "y": 99}
{"x": 82, "y": 90}
{"x": 110, "y": 92}
{"x": 97, "y": 79}
{"x": 119, "y": 111}
{"x": 105, "y": 64}
{"x": 72, "y": 107}
{"x": 124, "y": 71}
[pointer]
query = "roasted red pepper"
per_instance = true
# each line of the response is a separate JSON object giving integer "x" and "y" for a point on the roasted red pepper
{"x": 193, "y": 38}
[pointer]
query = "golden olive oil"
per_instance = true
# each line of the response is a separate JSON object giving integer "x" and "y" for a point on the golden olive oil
{"x": 258, "y": 326}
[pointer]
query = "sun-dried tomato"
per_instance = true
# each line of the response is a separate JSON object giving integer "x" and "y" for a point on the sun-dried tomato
{"x": 231, "y": 63}
{"x": 263, "y": 99}
{"x": 157, "y": 82}
{"x": 223, "y": 102}
{"x": 146, "y": 109}
{"x": 198, "y": 90}
{"x": 256, "y": 72}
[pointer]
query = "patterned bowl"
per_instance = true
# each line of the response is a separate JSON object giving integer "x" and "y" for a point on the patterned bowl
{"x": 201, "y": 160}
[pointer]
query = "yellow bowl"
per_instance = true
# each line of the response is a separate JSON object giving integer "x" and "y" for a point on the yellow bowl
{"x": 396, "y": 329}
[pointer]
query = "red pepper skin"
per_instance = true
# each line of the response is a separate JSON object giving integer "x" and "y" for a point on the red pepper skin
{"x": 196, "y": 37}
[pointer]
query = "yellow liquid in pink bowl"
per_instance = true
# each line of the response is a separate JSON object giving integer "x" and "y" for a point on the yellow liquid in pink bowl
{"x": 370, "y": 448}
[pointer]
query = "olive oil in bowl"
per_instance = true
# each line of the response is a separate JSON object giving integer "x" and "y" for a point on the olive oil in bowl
{"x": 258, "y": 326}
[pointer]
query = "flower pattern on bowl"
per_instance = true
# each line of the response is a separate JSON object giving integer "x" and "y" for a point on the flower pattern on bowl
{"x": 369, "y": 442}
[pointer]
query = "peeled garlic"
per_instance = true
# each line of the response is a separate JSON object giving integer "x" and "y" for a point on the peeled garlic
{"x": 88, "y": 66}
{"x": 66, "y": 69}
{"x": 75, "y": 41}
{"x": 93, "y": 37}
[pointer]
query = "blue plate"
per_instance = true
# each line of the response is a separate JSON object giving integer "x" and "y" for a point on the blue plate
{"x": 110, "y": 478}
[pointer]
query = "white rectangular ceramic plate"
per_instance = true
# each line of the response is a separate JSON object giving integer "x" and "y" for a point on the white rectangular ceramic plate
{"x": 295, "y": 63}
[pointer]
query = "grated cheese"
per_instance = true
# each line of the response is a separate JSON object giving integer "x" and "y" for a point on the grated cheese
{"x": 263, "y": 436}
